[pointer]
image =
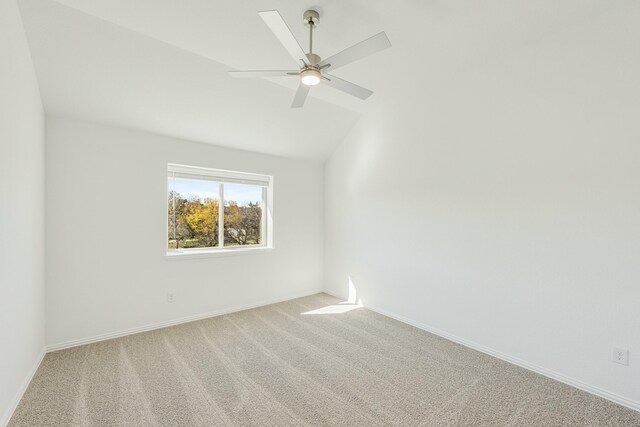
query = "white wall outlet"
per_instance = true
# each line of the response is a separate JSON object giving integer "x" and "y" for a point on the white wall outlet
{"x": 171, "y": 297}
{"x": 620, "y": 355}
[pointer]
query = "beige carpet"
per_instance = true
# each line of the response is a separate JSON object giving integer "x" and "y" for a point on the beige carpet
{"x": 276, "y": 366}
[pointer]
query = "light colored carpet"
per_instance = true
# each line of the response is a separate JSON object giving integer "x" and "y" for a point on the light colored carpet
{"x": 274, "y": 366}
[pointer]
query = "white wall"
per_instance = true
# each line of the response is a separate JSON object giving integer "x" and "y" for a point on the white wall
{"x": 21, "y": 212}
{"x": 106, "y": 207}
{"x": 502, "y": 206}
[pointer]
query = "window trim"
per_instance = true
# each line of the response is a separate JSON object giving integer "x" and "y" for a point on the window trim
{"x": 265, "y": 181}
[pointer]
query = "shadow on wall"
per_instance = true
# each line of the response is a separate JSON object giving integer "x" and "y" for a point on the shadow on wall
{"x": 352, "y": 303}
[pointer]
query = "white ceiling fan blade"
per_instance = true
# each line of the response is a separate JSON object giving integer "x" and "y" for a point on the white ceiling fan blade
{"x": 301, "y": 96}
{"x": 274, "y": 21}
{"x": 347, "y": 87}
{"x": 358, "y": 51}
{"x": 262, "y": 73}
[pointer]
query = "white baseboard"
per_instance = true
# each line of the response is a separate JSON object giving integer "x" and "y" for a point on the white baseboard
{"x": 23, "y": 387}
{"x": 173, "y": 322}
{"x": 335, "y": 295}
{"x": 632, "y": 404}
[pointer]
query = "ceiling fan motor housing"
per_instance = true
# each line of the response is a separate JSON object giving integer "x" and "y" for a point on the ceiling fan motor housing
{"x": 314, "y": 59}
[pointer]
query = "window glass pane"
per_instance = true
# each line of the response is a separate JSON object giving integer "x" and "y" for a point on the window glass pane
{"x": 193, "y": 213}
{"x": 243, "y": 206}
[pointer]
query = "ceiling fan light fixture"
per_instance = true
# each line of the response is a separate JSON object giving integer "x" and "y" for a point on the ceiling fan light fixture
{"x": 310, "y": 77}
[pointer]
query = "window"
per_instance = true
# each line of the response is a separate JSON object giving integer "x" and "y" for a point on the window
{"x": 211, "y": 210}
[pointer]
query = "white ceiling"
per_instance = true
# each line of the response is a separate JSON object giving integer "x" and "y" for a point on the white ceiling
{"x": 160, "y": 65}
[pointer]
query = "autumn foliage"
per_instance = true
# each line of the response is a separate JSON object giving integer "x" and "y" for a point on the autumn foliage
{"x": 193, "y": 223}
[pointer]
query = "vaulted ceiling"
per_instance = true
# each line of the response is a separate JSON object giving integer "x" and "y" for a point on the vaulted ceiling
{"x": 161, "y": 65}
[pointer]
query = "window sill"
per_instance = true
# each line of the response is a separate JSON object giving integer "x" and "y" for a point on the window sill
{"x": 215, "y": 253}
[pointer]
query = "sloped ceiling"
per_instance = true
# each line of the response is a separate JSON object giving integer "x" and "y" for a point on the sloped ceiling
{"x": 161, "y": 65}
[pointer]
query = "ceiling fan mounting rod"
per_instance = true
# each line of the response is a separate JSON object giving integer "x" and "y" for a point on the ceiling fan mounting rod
{"x": 311, "y": 37}
{"x": 311, "y": 18}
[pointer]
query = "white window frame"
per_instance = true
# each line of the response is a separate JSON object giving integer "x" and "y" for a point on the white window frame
{"x": 220, "y": 176}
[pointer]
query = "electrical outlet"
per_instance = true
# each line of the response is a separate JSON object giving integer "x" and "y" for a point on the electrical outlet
{"x": 620, "y": 355}
{"x": 171, "y": 297}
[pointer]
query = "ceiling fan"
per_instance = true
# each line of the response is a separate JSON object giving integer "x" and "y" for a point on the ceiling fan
{"x": 313, "y": 69}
